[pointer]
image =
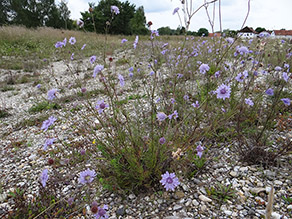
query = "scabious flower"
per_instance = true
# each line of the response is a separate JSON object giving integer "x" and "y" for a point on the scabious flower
{"x": 248, "y": 101}
{"x": 217, "y": 74}
{"x": 278, "y": 68}
{"x": 200, "y": 150}
{"x": 115, "y": 9}
{"x": 92, "y": 59}
{"x": 186, "y": 97}
{"x": 162, "y": 140}
{"x": 97, "y": 69}
{"x": 161, "y": 116}
{"x": 72, "y": 40}
{"x": 169, "y": 181}
{"x": 80, "y": 23}
{"x": 52, "y": 94}
{"x": 72, "y": 56}
{"x": 136, "y": 42}
{"x": 59, "y": 44}
{"x": 38, "y": 86}
{"x": 241, "y": 76}
{"x": 124, "y": 40}
{"x": 174, "y": 114}
{"x": 87, "y": 176}
{"x": 154, "y": 33}
{"x": 101, "y": 212}
{"x": 270, "y": 92}
{"x": 230, "y": 40}
{"x": 47, "y": 123}
{"x": 172, "y": 100}
{"x": 203, "y": 68}
{"x": 83, "y": 46}
{"x": 48, "y": 142}
{"x": 100, "y": 106}
{"x": 44, "y": 177}
{"x": 286, "y": 65}
{"x": 122, "y": 80}
{"x": 196, "y": 104}
{"x": 286, "y": 101}
{"x": 223, "y": 91}
{"x": 175, "y": 11}
{"x": 242, "y": 50}
{"x": 285, "y": 76}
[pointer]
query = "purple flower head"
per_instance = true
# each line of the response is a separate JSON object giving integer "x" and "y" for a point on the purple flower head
{"x": 101, "y": 212}
{"x": 52, "y": 94}
{"x": 203, "y": 68}
{"x": 47, "y": 123}
{"x": 83, "y": 89}
{"x": 59, "y": 44}
{"x": 124, "y": 40}
{"x": 64, "y": 41}
{"x": 44, "y": 177}
{"x": 175, "y": 11}
{"x": 48, "y": 142}
{"x": 230, "y": 40}
{"x": 270, "y": 92}
{"x": 241, "y": 76}
{"x": 151, "y": 73}
{"x": 82, "y": 152}
{"x": 131, "y": 69}
{"x": 196, "y": 104}
{"x": 278, "y": 68}
{"x": 92, "y": 59}
{"x": 136, "y": 42}
{"x": 80, "y": 23}
{"x": 186, "y": 97}
{"x": 83, "y": 46}
{"x": 122, "y": 80}
{"x": 70, "y": 201}
{"x": 131, "y": 74}
{"x": 72, "y": 40}
{"x": 172, "y": 100}
{"x": 286, "y": 101}
{"x": 285, "y": 76}
{"x": 200, "y": 150}
{"x": 217, "y": 74}
{"x": 157, "y": 100}
{"x": 286, "y": 65}
{"x": 162, "y": 140}
{"x": 100, "y": 106}
{"x": 161, "y": 116}
{"x": 283, "y": 41}
{"x": 248, "y": 101}
{"x": 242, "y": 50}
{"x": 164, "y": 51}
{"x": 154, "y": 33}
{"x": 223, "y": 91}
{"x": 169, "y": 181}
{"x": 38, "y": 86}
{"x": 174, "y": 114}
{"x": 179, "y": 76}
{"x": 72, "y": 56}
{"x": 115, "y": 9}
{"x": 97, "y": 69}
{"x": 87, "y": 176}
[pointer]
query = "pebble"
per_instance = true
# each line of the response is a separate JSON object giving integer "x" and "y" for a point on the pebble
{"x": 228, "y": 212}
{"x": 204, "y": 198}
{"x": 233, "y": 173}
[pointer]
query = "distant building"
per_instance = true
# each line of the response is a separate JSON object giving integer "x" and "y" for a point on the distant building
{"x": 287, "y": 34}
{"x": 217, "y": 34}
{"x": 247, "y": 32}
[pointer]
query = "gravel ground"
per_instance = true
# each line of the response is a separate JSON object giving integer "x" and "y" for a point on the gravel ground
{"x": 21, "y": 164}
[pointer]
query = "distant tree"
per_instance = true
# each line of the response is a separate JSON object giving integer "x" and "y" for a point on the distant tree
{"x": 203, "y": 32}
{"x": 229, "y": 33}
{"x": 138, "y": 22}
{"x": 64, "y": 12}
{"x": 4, "y": 8}
{"x": 192, "y": 33}
{"x": 165, "y": 31}
{"x": 260, "y": 29}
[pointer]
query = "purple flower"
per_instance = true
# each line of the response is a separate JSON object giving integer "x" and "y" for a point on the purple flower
{"x": 162, "y": 140}
{"x": 286, "y": 65}
{"x": 278, "y": 68}
{"x": 154, "y": 33}
{"x": 179, "y": 76}
{"x": 285, "y": 76}
{"x": 131, "y": 69}
{"x": 47, "y": 123}
{"x": 70, "y": 201}
{"x": 200, "y": 150}
{"x": 241, "y": 76}
{"x": 101, "y": 212}
{"x": 151, "y": 73}
{"x": 80, "y": 23}
{"x": 100, "y": 106}
{"x": 48, "y": 142}
{"x": 136, "y": 42}
{"x": 122, "y": 80}
{"x": 83, "y": 89}
{"x": 72, "y": 56}
{"x": 92, "y": 59}
{"x": 72, "y": 40}
{"x": 52, "y": 94}
{"x": 164, "y": 51}
{"x": 83, "y": 46}
{"x": 82, "y": 152}
{"x": 217, "y": 74}
{"x": 242, "y": 50}
{"x": 203, "y": 68}
{"x": 157, "y": 100}
{"x": 161, "y": 116}
{"x": 124, "y": 40}
{"x": 115, "y": 9}
{"x": 186, "y": 97}
{"x": 196, "y": 105}
{"x": 172, "y": 100}
{"x": 286, "y": 101}
{"x": 59, "y": 44}
{"x": 230, "y": 40}
{"x": 223, "y": 91}
{"x": 44, "y": 177}
{"x": 38, "y": 86}
{"x": 97, "y": 69}
{"x": 131, "y": 74}
{"x": 87, "y": 176}
{"x": 248, "y": 101}
{"x": 175, "y": 11}
{"x": 169, "y": 181}
{"x": 174, "y": 114}
{"x": 65, "y": 41}
{"x": 270, "y": 92}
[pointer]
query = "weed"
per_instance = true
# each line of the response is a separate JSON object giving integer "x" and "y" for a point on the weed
{"x": 221, "y": 193}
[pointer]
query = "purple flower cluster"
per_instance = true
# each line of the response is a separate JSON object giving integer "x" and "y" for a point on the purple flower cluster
{"x": 122, "y": 80}
{"x": 169, "y": 181}
{"x": 97, "y": 69}
{"x": 204, "y": 68}
{"x": 223, "y": 91}
{"x": 48, "y": 142}
{"x": 86, "y": 176}
{"x": 161, "y": 116}
{"x": 136, "y": 42}
{"x": 92, "y": 59}
{"x": 200, "y": 150}
{"x": 52, "y": 94}
{"x": 115, "y": 10}
{"x": 47, "y": 123}
{"x": 100, "y": 106}
{"x": 44, "y": 177}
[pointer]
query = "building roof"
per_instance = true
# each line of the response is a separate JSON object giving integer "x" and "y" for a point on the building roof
{"x": 283, "y": 32}
{"x": 218, "y": 34}
{"x": 247, "y": 30}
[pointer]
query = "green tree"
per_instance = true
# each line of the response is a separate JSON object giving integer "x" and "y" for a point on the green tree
{"x": 4, "y": 8}
{"x": 165, "y": 31}
{"x": 203, "y": 32}
{"x": 229, "y": 33}
{"x": 138, "y": 22}
{"x": 260, "y": 29}
{"x": 64, "y": 13}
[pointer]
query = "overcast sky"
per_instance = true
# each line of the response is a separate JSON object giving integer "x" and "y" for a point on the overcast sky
{"x": 270, "y": 14}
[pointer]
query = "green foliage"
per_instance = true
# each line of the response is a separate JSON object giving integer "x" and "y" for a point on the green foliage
{"x": 4, "y": 113}
{"x": 44, "y": 105}
{"x": 203, "y": 32}
{"x": 260, "y": 29}
{"x": 221, "y": 193}
{"x": 138, "y": 22}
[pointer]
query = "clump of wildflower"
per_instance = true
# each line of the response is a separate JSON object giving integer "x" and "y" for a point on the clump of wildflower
{"x": 44, "y": 177}
{"x": 242, "y": 50}
{"x": 169, "y": 181}
{"x": 161, "y": 116}
{"x": 122, "y": 80}
{"x": 47, "y": 123}
{"x": 92, "y": 59}
{"x": 286, "y": 101}
{"x": 200, "y": 150}
{"x": 175, "y": 11}
{"x": 80, "y": 23}
{"x": 248, "y": 101}
{"x": 136, "y": 42}
{"x": 72, "y": 40}
{"x": 48, "y": 142}
{"x": 97, "y": 69}
{"x": 204, "y": 68}
{"x": 87, "y": 176}
{"x": 223, "y": 91}
{"x": 270, "y": 92}
{"x": 115, "y": 9}
{"x": 100, "y": 106}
